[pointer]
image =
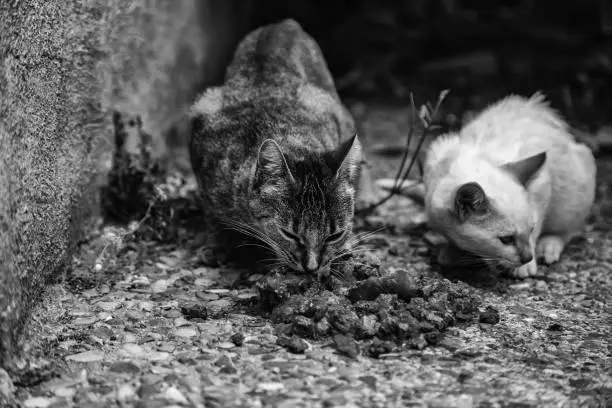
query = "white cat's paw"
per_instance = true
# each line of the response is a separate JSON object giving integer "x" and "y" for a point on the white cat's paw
{"x": 525, "y": 271}
{"x": 550, "y": 248}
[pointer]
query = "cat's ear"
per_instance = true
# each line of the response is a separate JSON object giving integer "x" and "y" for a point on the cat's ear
{"x": 271, "y": 161}
{"x": 470, "y": 199}
{"x": 349, "y": 156}
{"x": 526, "y": 169}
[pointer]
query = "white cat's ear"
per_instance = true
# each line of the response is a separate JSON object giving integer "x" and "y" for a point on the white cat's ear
{"x": 526, "y": 169}
{"x": 470, "y": 199}
{"x": 271, "y": 161}
{"x": 349, "y": 155}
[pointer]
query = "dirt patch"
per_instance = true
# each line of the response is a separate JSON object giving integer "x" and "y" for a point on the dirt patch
{"x": 403, "y": 308}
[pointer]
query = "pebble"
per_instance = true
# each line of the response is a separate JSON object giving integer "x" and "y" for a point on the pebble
{"x": 160, "y": 286}
{"x": 173, "y": 394}
{"x": 187, "y": 331}
{"x": 37, "y": 402}
{"x": 219, "y": 291}
{"x": 134, "y": 315}
{"x": 204, "y": 282}
{"x": 207, "y": 297}
{"x": 107, "y": 306}
{"x": 133, "y": 349}
{"x": 520, "y": 286}
{"x": 226, "y": 345}
{"x": 87, "y": 356}
{"x": 541, "y": 287}
{"x": 157, "y": 355}
{"x": 181, "y": 321}
{"x": 124, "y": 367}
{"x": 270, "y": 386}
{"x": 217, "y": 307}
{"x": 64, "y": 392}
{"x": 85, "y": 321}
{"x": 125, "y": 392}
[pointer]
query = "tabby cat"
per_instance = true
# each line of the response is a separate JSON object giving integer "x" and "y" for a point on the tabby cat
{"x": 276, "y": 153}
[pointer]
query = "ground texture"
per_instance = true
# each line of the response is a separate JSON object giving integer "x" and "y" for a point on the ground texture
{"x": 161, "y": 324}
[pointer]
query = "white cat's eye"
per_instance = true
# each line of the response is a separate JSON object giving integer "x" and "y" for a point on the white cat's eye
{"x": 507, "y": 239}
{"x": 335, "y": 237}
{"x": 289, "y": 235}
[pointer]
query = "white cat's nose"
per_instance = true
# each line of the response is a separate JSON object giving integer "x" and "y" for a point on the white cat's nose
{"x": 525, "y": 257}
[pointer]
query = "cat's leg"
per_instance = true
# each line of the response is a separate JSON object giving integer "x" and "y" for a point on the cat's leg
{"x": 531, "y": 267}
{"x": 550, "y": 247}
{"x": 525, "y": 271}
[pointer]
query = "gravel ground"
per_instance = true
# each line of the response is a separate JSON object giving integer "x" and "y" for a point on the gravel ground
{"x": 158, "y": 325}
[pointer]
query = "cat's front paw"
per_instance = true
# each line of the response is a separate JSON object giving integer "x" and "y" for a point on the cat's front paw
{"x": 550, "y": 248}
{"x": 525, "y": 271}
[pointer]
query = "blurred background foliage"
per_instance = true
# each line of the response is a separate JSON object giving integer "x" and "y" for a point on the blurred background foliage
{"x": 480, "y": 50}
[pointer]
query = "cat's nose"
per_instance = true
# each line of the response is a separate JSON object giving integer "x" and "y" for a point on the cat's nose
{"x": 525, "y": 257}
{"x": 310, "y": 262}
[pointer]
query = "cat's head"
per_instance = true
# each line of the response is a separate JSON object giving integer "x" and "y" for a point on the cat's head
{"x": 496, "y": 221}
{"x": 303, "y": 207}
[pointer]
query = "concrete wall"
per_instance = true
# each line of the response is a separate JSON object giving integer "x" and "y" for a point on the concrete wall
{"x": 64, "y": 66}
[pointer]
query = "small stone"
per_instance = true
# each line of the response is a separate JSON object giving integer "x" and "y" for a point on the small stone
{"x": 134, "y": 315}
{"x": 133, "y": 349}
{"x": 520, "y": 286}
{"x": 238, "y": 339}
{"x": 204, "y": 282}
{"x": 223, "y": 361}
{"x": 369, "y": 380}
{"x": 157, "y": 356}
{"x": 126, "y": 392}
{"x": 87, "y": 356}
{"x": 85, "y": 321}
{"x": 226, "y": 345}
{"x": 489, "y": 316}
{"x": 293, "y": 344}
{"x": 160, "y": 286}
{"x": 37, "y": 402}
{"x": 270, "y": 386}
{"x": 124, "y": 367}
{"x": 541, "y": 287}
{"x": 181, "y": 321}
{"x": 174, "y": 395}
{"x": 107, "y": 306}
{"x": 228, "y": 370}
{"x": 195, "y": 311}
{"x": 147, "y": 390}
{"x": 64, "y": 392}
{"x": 346, "y": 345}
{"x": 219, "y": 307}
{"x": 555, "y": 327}
{"x": 207, "y": 297}
{"x": 90, "y": 293}
{"x": 186, "y": 331}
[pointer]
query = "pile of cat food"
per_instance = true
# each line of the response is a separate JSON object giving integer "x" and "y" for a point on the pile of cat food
{"x": 387, "y": 310}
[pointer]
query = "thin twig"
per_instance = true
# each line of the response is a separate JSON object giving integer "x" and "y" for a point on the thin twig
{"x": 427, "y": 115}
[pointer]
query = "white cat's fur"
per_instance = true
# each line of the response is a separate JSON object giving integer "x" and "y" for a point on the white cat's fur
{"x": 543, "y": 214}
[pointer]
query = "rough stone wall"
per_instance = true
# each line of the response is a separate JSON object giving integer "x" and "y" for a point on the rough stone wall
{"x": 64, "y": 65}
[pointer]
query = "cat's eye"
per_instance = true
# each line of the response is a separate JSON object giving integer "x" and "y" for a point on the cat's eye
{"x": 507, "y": 239}
{"x": 289, "y": 235}
{"x": 335, "y": 237}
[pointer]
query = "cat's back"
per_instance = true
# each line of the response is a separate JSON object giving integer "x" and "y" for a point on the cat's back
{"x": 280, "y": 55}
{"x": 515, "y": 127}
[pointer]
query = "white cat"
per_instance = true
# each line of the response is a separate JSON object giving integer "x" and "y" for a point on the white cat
{"x": 511, "y": 186}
